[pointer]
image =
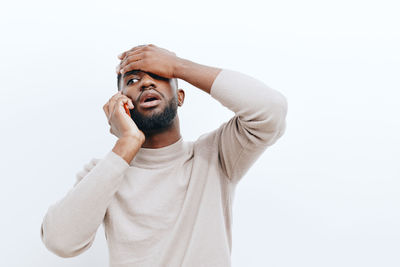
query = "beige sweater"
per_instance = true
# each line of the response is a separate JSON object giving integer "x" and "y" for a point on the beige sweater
{"x": 171, "y": 206}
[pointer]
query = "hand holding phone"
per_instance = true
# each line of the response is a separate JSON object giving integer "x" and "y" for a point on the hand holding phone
{"x": 121, "y": 125}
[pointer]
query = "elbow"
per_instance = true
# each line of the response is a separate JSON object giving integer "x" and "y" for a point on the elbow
{"x": 61, "y": 252}
{"x": 270, "y": 107}
{"x": 57, "y": 245}
{"x": 280, "y": 107}
{"x": 273, "y": 123}
{"x": 54, "y": 244}
{"x": 275, "y": 113}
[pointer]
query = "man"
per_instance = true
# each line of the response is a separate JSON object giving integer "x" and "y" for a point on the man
{"x": 164, "y": 201}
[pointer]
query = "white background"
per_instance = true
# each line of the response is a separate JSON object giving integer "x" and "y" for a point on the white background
{"x": 326, "y": 194}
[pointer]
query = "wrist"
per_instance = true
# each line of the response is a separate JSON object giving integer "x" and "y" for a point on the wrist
{"x": 127, "y": 147}
{"x": 132, "y": 138}
{"x": 201, "y": 76}
{"x": 180, "y": 68}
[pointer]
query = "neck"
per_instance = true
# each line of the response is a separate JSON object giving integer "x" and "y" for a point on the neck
{"x": 164, "y": 138}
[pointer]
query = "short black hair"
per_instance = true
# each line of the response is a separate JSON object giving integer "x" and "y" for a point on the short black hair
{"x": 119, "y": 81}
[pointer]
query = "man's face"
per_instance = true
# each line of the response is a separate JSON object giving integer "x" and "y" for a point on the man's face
{"x": 136, "y": 85}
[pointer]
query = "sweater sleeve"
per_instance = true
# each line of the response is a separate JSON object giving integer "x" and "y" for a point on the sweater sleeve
{"x": 259, "y": 121}
{"x": 70, "y": 225}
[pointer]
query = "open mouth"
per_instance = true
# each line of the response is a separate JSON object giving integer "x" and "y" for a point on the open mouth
{"x": 149, "y": 99}
{"x": 150, "y": 103}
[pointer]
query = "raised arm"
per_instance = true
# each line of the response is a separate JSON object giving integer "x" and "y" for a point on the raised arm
{"x": 260, "y": 111}
{"x": 259, "y": 121}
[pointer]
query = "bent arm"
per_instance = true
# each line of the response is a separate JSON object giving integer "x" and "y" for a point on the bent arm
{"x": 70, "y": 225}
{"x": 259, "y": 121}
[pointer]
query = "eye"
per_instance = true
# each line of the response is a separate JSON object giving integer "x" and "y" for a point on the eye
{"x": 130, "y": 81}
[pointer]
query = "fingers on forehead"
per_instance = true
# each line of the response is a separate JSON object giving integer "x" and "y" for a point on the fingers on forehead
{"x": 134, "y": 51}
{"x": 131, "y": 51}
{"x": 138, "y": 47}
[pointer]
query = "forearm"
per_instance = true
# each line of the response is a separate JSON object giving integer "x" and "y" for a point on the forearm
{"x": 70, "y": 225}
{"x": 196, "y": 74}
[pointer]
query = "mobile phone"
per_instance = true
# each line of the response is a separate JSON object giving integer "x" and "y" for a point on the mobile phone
{"x": 127, "y": 109}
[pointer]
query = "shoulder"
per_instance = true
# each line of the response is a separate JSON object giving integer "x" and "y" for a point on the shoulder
{"x": 87, "y": 167}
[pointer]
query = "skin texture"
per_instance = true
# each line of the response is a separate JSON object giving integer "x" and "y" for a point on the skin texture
{"x": 156, "y": 67}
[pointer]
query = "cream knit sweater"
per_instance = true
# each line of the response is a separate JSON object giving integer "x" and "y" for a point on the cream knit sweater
{"x": 171, "y": 206}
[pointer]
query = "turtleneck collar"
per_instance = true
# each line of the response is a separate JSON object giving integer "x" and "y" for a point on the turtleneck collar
{"x": 157, "y": 157}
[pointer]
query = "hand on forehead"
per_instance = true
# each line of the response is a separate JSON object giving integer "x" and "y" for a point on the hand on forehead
{"x": 148, "y": 58}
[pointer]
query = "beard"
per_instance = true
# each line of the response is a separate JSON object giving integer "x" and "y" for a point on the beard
{"x": 157, "y": 122}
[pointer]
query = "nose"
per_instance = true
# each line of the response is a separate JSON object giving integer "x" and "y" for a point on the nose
{"x": 147, "y": 81}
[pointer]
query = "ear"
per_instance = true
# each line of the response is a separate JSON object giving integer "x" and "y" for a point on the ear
{"x": 181, "y": 96}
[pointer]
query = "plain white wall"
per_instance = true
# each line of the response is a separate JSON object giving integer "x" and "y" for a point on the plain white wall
{"x": 326, "y": 194}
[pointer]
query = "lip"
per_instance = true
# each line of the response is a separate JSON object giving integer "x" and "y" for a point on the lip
{"x": 149, "y": 94}
{"x": 150, "y": 103}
